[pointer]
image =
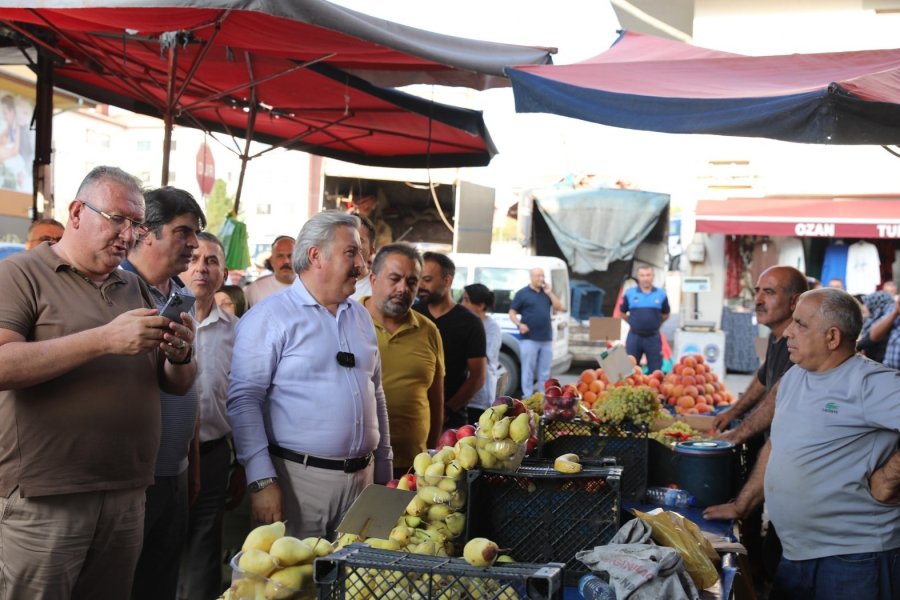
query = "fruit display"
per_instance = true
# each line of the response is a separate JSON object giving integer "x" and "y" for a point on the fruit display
{"x": 691, "y": 387}
{"x": 628, "y": 404}
{"x": 560, "y": 403}
{"x": 501, "y": 439}
{"x": 481, "y": 552}
{"x": 679, "y": 431}
{"x": 273, "y": 566}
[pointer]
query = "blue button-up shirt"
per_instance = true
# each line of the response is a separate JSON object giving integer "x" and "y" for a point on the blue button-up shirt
{"x": 288, "y": 389}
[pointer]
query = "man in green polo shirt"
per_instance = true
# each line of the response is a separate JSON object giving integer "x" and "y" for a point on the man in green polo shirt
{"x": 412, "y": 355}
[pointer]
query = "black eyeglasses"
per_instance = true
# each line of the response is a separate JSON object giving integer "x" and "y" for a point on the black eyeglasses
{"x": 119, "y": 221}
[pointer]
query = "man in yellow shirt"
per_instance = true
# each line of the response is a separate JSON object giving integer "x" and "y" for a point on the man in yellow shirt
{"x": 412, "y": 355}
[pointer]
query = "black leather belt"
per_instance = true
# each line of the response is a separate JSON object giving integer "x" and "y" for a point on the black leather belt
{"x": 641, "y": 333}
{"x": 349, "y": 465}
{"x": 211, "y": 444}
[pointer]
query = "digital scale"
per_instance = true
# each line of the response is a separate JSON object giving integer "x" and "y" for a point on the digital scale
{"x": 696, "y": 336}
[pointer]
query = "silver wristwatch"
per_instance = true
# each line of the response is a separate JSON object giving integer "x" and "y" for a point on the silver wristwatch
{"x": 261, "y": 484}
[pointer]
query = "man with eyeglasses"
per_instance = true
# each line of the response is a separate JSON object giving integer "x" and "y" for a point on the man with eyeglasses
{"x": 172, "y": 219}
{"x": 305, "y": 402}
{"x": 44, "y": 230}
{"x": 83, "y": 355}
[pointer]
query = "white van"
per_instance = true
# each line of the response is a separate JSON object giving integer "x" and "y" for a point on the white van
{"x": 505, "y": 275}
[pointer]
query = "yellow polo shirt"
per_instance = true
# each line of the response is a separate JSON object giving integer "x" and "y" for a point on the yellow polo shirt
{"x": 411, "y": 358}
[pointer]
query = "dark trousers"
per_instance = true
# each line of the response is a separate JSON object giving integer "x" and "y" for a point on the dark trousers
{"x": 650, "y": 345}
{"x": 165, "y": 529}
{"x": 870, "y": 575}
{"x": 201, "y": 565}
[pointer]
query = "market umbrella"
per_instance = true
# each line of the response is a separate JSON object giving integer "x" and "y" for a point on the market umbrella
{"x": 654, "y": 84}
{"x": 295, "y": 74}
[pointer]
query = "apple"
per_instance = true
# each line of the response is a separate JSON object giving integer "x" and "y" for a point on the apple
{"x": 531, "y": 444}
{"x": 407, "y": 482}
{"x": 569, "y": 391}
{"x": 554, "y": 391}
{"x": 392, "y": 483}
{"x": 553, "y": 381}
{"x": 448, "y": 438}
{"x": 465, "y": 431}
{"x": 507, "y": 400}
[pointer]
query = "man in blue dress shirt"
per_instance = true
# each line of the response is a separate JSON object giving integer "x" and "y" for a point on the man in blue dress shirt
{"x": 645, "y": 307}
{"x": 305, "y": 402}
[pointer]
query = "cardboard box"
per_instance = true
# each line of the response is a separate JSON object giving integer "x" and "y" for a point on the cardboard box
{"x": 606, "y": 328}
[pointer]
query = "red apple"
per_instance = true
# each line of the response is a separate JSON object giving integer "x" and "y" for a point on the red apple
{"x": 465, "y": 431}
{"x": 553, "y": 381}
{"x": 448, "y": 438}
{"x": 531, "y": 444}
{"x": 392, "y": 483}
{"x": 518, "y": 407}
{"x": 569, "y": 391}
{"x": 554, "y": 391}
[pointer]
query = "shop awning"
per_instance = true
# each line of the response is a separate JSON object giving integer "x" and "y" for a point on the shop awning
{"x": 837, "y": 217}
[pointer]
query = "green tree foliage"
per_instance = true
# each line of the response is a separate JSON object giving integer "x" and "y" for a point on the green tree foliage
{"x": 218, "y": 206}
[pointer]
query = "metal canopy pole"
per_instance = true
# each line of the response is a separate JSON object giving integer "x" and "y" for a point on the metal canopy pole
{"x": 43, "y": 150}
{"x": 167, "y": 114}
{"x": 251, "y": 122}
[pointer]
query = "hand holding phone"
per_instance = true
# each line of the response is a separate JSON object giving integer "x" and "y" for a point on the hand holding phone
{"x": 177, "y": 304}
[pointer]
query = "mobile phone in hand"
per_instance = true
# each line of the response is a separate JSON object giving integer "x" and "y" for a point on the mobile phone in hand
{"x": 177, "y": 304}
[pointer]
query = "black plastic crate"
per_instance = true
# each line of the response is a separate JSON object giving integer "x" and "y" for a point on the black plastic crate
{"x": 542, "y": 515}
{"x": 627, "y": 443}
{"x": 358, "y": 572}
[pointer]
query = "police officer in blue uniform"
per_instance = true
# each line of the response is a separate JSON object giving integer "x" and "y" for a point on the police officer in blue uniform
{"x": 645, "y": 308}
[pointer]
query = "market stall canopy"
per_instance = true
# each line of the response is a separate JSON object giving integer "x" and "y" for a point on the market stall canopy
{"x": 283, "y": 73}
{"x": 834, "y": 217}
{"x": 648, "y": 83}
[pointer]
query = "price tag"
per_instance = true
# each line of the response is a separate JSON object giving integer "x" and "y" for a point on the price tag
{"x": 615, "y": 363}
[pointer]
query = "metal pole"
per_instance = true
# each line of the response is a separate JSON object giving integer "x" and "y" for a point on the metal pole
{"x": 43, "y": 150}
{"x": 167, "y": 115}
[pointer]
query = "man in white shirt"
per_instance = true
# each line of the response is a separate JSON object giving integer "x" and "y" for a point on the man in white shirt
{"x": 201, "y": 572}
{"x": 282, "y": 275}
{"x": 305, "y": 401}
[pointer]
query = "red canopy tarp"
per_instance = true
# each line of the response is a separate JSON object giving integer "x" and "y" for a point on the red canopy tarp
{"x": 841, "y": 217}
{"x": 654, "y": 84}
{"x": 288, "y": 65}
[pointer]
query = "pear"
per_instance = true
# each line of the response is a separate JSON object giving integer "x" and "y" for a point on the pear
{"x": 480, "y": 552}
{"x": 346, "y": 539}
{"x": 285, "y": 583}
{"x": 505, "y": 558}
{"x": 417, "y": 506}
{"x": 433, "y": 495}
{"x": 290, "y": 551}
{"x": 454, "y": 469}
{"x": 448, "y": 485}
{"x": 262, "y": 537}
{"x": 320, "y": 546}
{"x": 438, "y": 512}
{"x": 500, "y": 430}
{"x": 421, "y": 462}
{"x": 486, "y": 421}
{"x": 401, "y": 535}
{"x": 257, "y": 562}
{"x": 458, "y": 500}
{"x": 444, "y": 455}
{"x": 456, "y": 523}
{"x": 502, "y": 449}
{"x": 411, "y": 521}
{"x": 520, "y": 428}
{"x": 433, "y": 473}
{"x": 467, "y": 456}
{"x": 429, "y": 548}
{"x": 383, "y": 544}
{"x": 463, "y": 442}
{"x": 488, "y": 460}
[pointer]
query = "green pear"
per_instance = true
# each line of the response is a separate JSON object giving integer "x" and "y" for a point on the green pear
{"x": 262, "y": 537}
{"x": 256, "y": 562}
{"x": 289, "y": 551}
{"x": 320, "y": 546}
{"x": 520, "y": 428}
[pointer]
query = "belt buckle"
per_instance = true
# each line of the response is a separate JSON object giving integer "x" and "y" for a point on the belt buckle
{"x": 348, "y": 464}
{"x": 352, "y": 465}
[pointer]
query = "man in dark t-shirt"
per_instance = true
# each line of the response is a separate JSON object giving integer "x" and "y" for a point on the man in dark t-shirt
{"x": 531, "y": 312}
{"x": 462, "y": 334}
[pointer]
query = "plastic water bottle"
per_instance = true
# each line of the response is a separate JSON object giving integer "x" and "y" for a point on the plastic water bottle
{"x": 594, "y": 588}
{"x": 663, "y": 496}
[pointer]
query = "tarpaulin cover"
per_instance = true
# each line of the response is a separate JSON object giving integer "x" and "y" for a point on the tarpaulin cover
{"x": 304, "y": 59}
{"x": 594, "y": 227}
{"x": 654, "y": 84}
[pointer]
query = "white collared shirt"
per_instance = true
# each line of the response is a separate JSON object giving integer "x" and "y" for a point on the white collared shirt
{"x": 213, "y": 348}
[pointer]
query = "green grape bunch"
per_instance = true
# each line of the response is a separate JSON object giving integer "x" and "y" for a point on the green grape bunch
{"x": 636, "y": 404}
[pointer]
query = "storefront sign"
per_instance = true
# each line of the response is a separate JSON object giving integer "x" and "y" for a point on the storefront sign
{"x": 814, "y": 229}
